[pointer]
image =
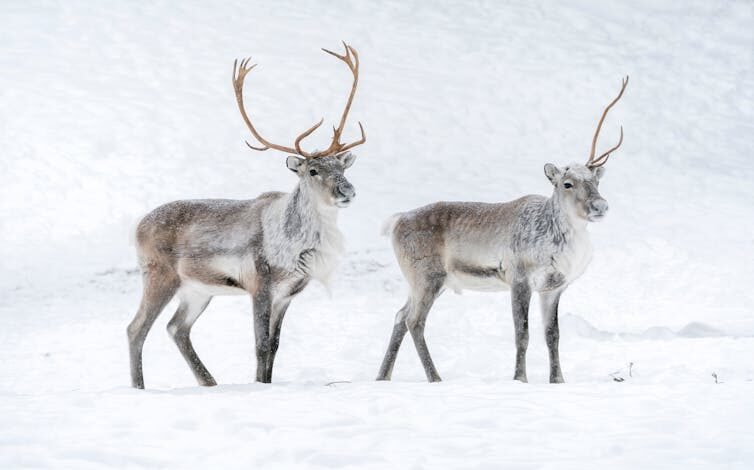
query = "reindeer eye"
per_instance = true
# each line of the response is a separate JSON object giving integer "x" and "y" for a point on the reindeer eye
{"x": 567, "y": 185}
{"x": 313, "y": 172}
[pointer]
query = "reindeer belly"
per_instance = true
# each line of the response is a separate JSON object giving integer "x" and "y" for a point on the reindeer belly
{"x": 219, "y": 275}
{"x": 477, "y": 275}
{"x": 458, "y": 281}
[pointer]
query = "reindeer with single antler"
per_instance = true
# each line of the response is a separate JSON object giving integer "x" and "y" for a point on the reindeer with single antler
{"x": 532, "y": 244}
{"x": 269, "y": 247}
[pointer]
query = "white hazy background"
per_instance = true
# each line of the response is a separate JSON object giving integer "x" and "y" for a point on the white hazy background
{"x": 110, "y": 109}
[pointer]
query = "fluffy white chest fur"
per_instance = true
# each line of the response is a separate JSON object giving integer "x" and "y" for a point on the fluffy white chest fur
{"x": 573, "y": 260}
{"x": 312, "y": 245}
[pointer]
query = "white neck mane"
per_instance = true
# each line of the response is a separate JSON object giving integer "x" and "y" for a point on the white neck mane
{"x": 301, "y": 224}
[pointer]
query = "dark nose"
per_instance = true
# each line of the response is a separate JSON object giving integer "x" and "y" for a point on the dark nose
{"x": 345, "y": 189}
{"x": 598, "y": 206}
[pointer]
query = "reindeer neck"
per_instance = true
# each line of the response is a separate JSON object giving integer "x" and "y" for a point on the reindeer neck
{"x": 305, "y": 217}
{"x": 562, "y": 219}
{"x": 304, "y": 197}
{"x": 306, "y": 226}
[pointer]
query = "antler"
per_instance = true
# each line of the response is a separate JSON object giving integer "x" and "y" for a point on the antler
{"x": 353, "y": 65}
{"x": 238, "y": 81}
{"x": 602, "y": 159}
{"x": 351, "y": 58}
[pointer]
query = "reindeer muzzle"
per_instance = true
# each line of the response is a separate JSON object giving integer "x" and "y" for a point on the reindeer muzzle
{"x": 597, "y": 210}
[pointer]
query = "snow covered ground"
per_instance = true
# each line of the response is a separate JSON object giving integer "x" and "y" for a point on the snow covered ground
{"x": 107, "y": 110}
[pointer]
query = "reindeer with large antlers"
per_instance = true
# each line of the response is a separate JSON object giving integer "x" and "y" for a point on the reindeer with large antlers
{"x": 269, "y": 247}
{"x": 531, "y": 244}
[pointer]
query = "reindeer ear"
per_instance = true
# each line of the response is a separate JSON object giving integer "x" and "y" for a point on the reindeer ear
{"x": 293, "y": 163}
{"x": 553, "y": 173}
{"x": 346, "y": 159}
{"x": 598, "y": 172}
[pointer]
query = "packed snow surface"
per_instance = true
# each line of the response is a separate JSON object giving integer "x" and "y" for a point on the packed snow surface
{"x": 110, "y": 109}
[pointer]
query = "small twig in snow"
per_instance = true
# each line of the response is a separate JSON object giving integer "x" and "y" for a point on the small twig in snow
{"x": 328, "y": 384}
{"x": 616, "y": 377}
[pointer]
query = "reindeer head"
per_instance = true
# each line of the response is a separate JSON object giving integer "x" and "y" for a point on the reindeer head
{"x": 319, "y": 171}
{"x": 577, "y": 190}
{"x": 325, "y": 177}
{"x": 577, "y": 185}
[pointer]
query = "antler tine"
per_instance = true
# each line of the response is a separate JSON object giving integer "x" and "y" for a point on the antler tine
{"x": 594, "y": 162}
{"x": 602, "y": 159}
{"x": 243, "y": 70}
{"x": 345, "y": 57}
{"x": 261, "y": 149}
{"x": 303, "y": 136}
{"x": 358, "y": 142}
{"x": 240, "y": 70}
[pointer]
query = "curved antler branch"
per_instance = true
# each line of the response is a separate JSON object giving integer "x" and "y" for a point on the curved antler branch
{"x": 261, "y": 149}
{"x": 239, "y": 75}
{"x": 602, "y": 159}
{"x": 303, "y": 136}
{"x": 358, "y": 142}
{"x": 593, "y": 162}
{"x": 351, "y": 59}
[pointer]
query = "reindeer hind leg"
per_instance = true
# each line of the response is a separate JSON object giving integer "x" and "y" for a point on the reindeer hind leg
{"x": 399, "y": 332}
{"x": 422, "y": 300}
{"x": 160, "y": 286}
{"x": 191, "y": 307}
